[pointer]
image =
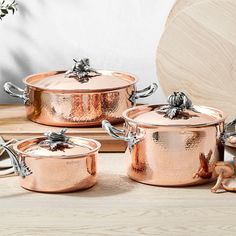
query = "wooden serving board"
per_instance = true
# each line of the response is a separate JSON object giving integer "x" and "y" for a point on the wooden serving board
{"x": 179, "y": 6}
{"x": 13, "y": 124}
{"x": 197, "y": 55}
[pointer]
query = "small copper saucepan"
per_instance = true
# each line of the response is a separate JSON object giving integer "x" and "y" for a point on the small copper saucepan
{"x": 79, "y": 97}
{"x": 55, "y": 163}
{"x": 175, "y": 144}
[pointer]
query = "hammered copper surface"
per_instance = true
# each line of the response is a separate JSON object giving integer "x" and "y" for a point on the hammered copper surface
{"x": 77, "y": 109}
{"x": 54, "y": 173}
{"x": 172, "y": 157}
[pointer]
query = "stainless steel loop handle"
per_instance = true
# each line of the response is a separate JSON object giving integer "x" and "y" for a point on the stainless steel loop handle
{"x": 8, "y": 86}
{"x": 116, "y": 133}
{"x": 143, "y": 93}
{"x": 19, "y": 166}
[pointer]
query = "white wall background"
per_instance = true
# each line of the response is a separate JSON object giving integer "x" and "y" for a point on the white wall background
{"x": 115, "y": 34}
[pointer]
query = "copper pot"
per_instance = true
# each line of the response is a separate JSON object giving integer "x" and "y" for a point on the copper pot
{"x": 55, "y": 163}
{"x": 78, "y": 97}
{"x": 175, "y": 144}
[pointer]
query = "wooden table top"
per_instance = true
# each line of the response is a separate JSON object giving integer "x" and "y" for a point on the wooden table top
{"x": 116, "y": 206}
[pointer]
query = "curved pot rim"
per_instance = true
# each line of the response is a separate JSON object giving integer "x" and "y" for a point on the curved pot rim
{"x": 199, "y": 125}
{"x": 50, "y": 73}
{"x": 81, "y": 155}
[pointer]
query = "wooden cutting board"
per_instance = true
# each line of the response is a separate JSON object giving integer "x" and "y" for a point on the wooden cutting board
{"x": 197, "y": 55}
{"x": 179, "y": 6}
{"x": 13, "y": 124}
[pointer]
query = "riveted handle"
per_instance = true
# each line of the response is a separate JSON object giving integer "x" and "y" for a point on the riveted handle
{"x": 8, "y": 86}
{"x": 20, "y": 167}
{"x": 143, "y": 93}
{"x": 120, "y": 134}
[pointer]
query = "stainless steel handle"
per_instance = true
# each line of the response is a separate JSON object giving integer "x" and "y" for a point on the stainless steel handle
{"x": 114, "y": 132}
{"x": 19, "y": 166}
{"x": 143, "y": 93}
{"x": 8, "y": 86}
{"x": 120, "y": 134}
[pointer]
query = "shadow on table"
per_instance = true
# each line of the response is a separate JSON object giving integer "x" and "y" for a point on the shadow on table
{"x": 107, "y": 185}
{"x": 201, "y": 186}
{"x": 192, "y": 187}
{"x": 15, "y": 195}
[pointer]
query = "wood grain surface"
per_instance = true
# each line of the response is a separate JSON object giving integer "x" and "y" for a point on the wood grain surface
{"x": 13, "y": 124}
{"x": 116, "y": 206}
{"x": 178, "y": 7}
{"x": 197, "y": 54}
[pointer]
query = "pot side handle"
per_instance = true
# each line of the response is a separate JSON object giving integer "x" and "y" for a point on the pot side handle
{"x": 120, "y": 134}
{"x": 19, "y": 166}
{"x": 114, "y": 132}
{"x": 8, "y": 86}
{"x": 143, "y": 93}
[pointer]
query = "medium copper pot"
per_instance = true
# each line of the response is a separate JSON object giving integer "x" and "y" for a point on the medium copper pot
{"x": 175, "y": 144}
{"x": 55, "y": 163}
{"x": 80, "y": 97}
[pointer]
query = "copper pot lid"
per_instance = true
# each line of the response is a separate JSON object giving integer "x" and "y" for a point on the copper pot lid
{"x": 178, "y": 112}
{"x": 81, "y": 78}
{"x": 57, "y": 145}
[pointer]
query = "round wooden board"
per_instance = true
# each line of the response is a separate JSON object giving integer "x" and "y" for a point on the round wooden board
{"x": 179, "y": 6}
{"x": 197, "y": 55}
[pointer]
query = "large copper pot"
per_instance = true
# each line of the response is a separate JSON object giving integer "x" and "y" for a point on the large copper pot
{"x": 172, "y": 144}
{"x": 80, "y": 97}
{"x": 55, "y": 163}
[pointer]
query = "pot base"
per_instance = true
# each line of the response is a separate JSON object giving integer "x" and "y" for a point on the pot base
{"x": 80, "y": 187}
{"x": 157, "y": 184}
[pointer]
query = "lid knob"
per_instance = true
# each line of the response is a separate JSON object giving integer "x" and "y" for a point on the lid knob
{"x": 56, "y": 141}
{"x": 177, "y": 103}
{"x": 82, "y": 71}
